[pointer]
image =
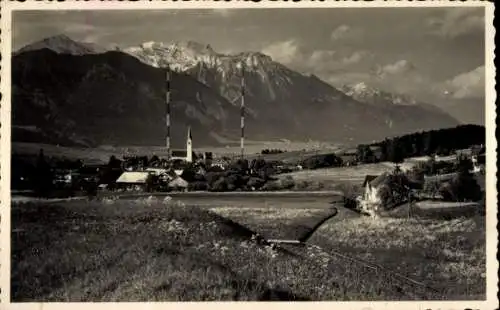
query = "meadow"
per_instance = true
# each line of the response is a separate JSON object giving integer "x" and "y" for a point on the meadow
{"x": 163, "y": 250}
{"x": 100, "y": 154}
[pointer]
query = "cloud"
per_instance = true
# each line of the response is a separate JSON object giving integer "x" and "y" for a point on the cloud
{"x": 398, "y": 77}
{"x": 320, "y": 56}
{"x": 356, "y": 57}
{"x": 344, "y": 32}
{"x": 399, "y": 67}
{"x": 340, "y": 32}
{"x": 285, "y": 52}
{"x": 346, "y": 78}
{"x": 458, "y": 22}
{"x": 466, "y": 85}
{"x": 324, "y": 61}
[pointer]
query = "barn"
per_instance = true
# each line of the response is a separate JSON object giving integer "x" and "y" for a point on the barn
{"x": 133, "y": 180}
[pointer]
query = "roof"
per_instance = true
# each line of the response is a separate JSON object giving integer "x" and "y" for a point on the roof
{"x": 179, "y": 171}
{"x": 178, "y": 182}
{"x": 179, "y": 153}
{"x": 156, "y": 171}
{"x": 171, "y": 172}
{"x": 379, "y": 180}
{"x": 464, "y": 151}
{"x": 368, "y": 179}
{"x": 133, "y": 177}
{"x": 440, "y": 177}
{"x": 375, "y": 181}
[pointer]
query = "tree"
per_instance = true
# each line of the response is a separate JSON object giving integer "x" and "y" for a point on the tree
{"x": 364, "y": 154}
{"x": 463, "y": 187}
{"x": 220, "y": 185}
{"x": 114, "y": 162}
{"x": 395, "y": 152}
{"x": 155, "y": 160}
{"x": 43, "y": 175}
{"x": 428, "y": 144}
{"x": 151, "y": 180}
{"x": 189, "y": 173}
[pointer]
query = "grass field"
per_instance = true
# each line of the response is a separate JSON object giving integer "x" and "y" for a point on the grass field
{"x": 101, "y": 154}
{"x": 149, "y": 250}
{"x": 447, "y": 255}
{"x": 332, "y": 178}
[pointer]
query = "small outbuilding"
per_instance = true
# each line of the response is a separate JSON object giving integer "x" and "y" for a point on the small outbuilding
{"x": 178, "y": 184}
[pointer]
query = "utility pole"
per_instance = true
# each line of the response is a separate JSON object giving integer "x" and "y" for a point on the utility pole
{"x": 167, "y": 119}
{"x": 242, "y": 138}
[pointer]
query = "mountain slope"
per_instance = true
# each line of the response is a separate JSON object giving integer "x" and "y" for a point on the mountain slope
{"x": 303, "y": 106}
{"x": 110, "y": 98}
{"x": 62, "y": 44}
{"x": 468, "y": 111}
{"x": 116, "y": 98}
{"x": 419, "y": 113}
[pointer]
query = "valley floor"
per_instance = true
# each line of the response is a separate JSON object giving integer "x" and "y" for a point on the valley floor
{"x": 101, "y": 154}
{"x": 152, "y": 250}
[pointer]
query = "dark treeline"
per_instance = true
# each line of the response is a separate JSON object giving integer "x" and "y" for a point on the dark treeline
{"x": 272, "y": 151}
{"x": 321, "y": 161}
{"x": 441, "y": 142}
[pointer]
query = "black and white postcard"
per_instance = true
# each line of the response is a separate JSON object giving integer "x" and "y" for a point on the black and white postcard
{"x": 244, "y": 151}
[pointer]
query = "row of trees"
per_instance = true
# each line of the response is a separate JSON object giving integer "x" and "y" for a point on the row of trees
{"x": 462, "y": 186}
{"x": 272, "y": 151}
{"x": 321, "y": 161}
{"x": 440, "y": 142}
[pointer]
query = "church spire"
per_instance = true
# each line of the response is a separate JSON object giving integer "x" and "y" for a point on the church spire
{"x": 189, "y": 146}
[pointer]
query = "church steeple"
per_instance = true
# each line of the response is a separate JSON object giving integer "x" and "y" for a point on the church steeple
{"x": 189, "y": 146}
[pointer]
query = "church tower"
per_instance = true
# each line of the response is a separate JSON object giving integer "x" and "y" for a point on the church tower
{"x": 189, "y": 147}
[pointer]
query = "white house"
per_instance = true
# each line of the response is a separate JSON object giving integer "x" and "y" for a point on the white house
{"x": 371, "y": 200}
{"x": 478, "y": 162}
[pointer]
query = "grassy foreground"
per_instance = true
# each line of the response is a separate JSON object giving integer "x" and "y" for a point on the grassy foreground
{"x": 148, "y": 250}
{"x": 448, "y": 256}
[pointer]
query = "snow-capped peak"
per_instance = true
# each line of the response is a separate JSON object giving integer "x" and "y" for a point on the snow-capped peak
{"x": 179, "y": 55}
{"x": 365, "y": 93}
{"x": 183, "y": 56}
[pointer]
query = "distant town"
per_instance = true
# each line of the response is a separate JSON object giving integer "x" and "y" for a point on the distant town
{"x": 186, "y": 170}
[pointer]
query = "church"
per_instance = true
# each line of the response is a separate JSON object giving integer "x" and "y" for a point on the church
{"x": 187, "y": 154}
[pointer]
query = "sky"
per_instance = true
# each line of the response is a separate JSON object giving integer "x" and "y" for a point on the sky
{"x": 430, "y": 53}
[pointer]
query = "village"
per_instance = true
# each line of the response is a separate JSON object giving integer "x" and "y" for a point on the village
{"x": 422, "y": 177}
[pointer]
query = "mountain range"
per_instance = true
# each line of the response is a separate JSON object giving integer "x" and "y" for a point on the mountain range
{"x": 70, "y": 92}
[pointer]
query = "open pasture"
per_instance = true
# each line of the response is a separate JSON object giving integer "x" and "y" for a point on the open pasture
{"x": 101, "y": 154}
{"x": 446, "y": 255}
{"x": 449, "y": 255}
{"x": 156, "y": 250}
{"x": 354, "y": 174}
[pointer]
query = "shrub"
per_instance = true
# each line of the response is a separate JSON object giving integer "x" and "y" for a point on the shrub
{"x": 189, "y": 173}
{"x": 286, "y": 183}
{"x": 215, "y": 169}
{"x": 198, "y": 186}
{"x": 255, "y": 182}
{"x": 322, "y": 161}
{"x": 350, "y": 193}
{"x": 463, "y": 187}
{"x": 431, "y": 188}
{"x": 212, "y": 177}
{"x": 220, "y": 185}
{"x": 432, "y": 167}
